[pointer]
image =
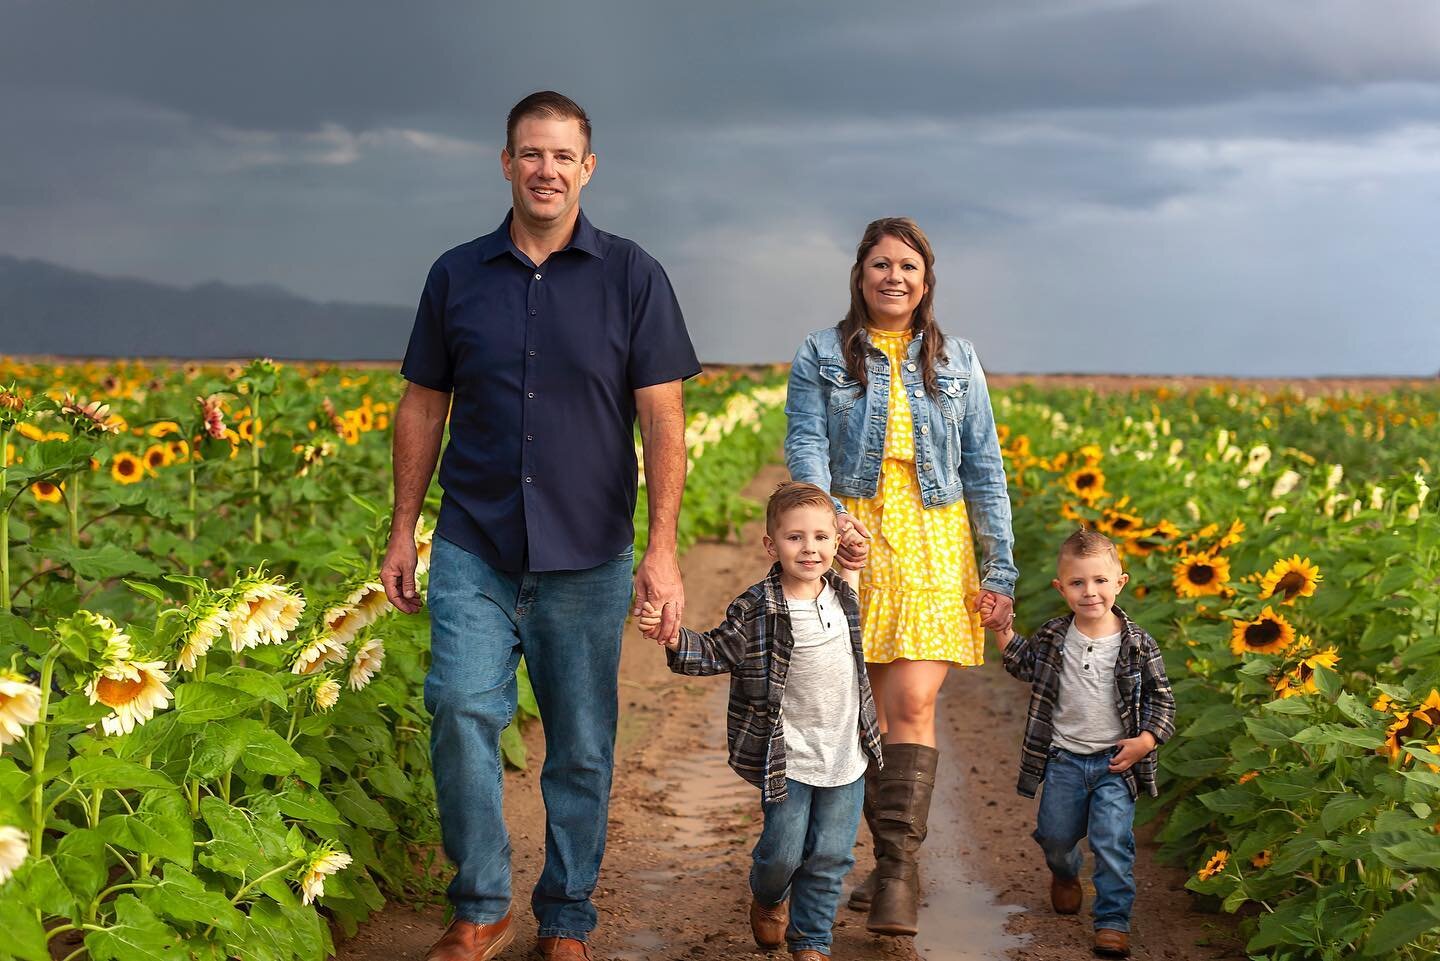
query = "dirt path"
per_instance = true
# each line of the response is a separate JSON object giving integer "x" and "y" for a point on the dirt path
{"x": 682, "y": 824}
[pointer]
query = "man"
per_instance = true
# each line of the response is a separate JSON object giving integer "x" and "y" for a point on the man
{"x": 543, "y": 341}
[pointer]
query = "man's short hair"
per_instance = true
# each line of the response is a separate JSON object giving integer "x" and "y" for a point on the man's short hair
{"x": 1088, "y": 543}
{"x": 790, "y": 495}
{"x": 545, "y": 103}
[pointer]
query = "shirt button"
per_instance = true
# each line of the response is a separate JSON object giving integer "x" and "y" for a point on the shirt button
{"x": 532, "y": 353}
{"x": 533, "y": 311}
{"x": 537, "y": 276}
{"x": 529, "y": 436}
{"x": 530, "y": 393}
{"x": 926, "y": 465}
{"x": 529, "y": 480}
{"x": 909, "y": 366}
{"x": 924, "y": 428}
{"x": 919, "y": 392}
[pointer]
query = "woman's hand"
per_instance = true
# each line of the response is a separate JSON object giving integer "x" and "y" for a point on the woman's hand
{"x": 996, "y": 610}
{"x": 854, "y": 546}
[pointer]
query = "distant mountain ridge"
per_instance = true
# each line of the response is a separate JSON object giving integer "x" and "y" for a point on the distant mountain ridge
{"x": 49, "y": 309}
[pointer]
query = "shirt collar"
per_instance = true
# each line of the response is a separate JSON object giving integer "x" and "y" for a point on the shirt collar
{"x": 585, "y": 239}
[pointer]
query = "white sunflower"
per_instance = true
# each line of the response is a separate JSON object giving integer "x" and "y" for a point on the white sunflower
{"x": 324, "y": 864}
{"x": 133, "y": 690}
{"x": 14, "y": 848}
{"x": 367, "y": 663}
{"x": 19, "y": 706}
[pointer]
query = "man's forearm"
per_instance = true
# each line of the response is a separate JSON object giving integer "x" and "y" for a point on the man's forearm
{"x": 663, "y": 437}
{"x": 415, "y": 451}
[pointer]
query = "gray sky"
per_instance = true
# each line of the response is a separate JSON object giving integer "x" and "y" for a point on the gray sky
{"x": 1231, "y": 186}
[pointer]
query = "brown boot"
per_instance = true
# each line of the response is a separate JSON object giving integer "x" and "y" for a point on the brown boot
{"x": 562, "y": 949}
{"x": 1110, "y": 943}
{"x": 807, "y": 954}
{"x": 768, "y": 924}
{"x": 1065, "y": 894}
{"x": 468, "y": 941}
{"x": 903, "y": 793}
{"x": 862, "y": 894}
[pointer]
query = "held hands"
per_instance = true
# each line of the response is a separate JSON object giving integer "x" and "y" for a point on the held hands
{"x": 854, "y": 546}
{"x": 1131, "y": 750}
{"x": 997, "y": 612}
{"x": 657, "y": 583}
{"x": 650, "y": 625}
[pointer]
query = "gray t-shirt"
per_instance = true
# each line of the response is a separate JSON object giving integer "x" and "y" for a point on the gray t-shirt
{"x": 821, "y": 706}
{"x": 1086, "y": 720}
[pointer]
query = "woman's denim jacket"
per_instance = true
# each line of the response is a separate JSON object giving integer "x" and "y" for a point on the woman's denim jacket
{"x": 836, "y": 437}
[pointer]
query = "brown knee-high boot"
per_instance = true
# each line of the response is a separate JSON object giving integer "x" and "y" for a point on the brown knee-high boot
{"x": 903, "y": 792}
{"x": 863, "y": 892}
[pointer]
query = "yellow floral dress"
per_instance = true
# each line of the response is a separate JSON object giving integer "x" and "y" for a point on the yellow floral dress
{"x": 921, "y": 567}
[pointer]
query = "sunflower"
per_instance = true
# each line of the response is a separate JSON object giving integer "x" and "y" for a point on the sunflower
{"x": 1261, "y": 861}
{"x": 201, "y": 631}
{"x": 265, "y": 614}
{"x": 179, "y": 451}
{"x": 1269, "y": 633}
{"x": 1231, "y": 537}
{"x": 370, "y": 602}
{"x": 14, "y": 848}
{"x": 248, "y": 429}
{"x": 1215, "y": 865}
{"x": 1119, "y": 524}
{"x": 1247, "y": 777}
{"x": 324, "y": 864}
{"x": 126, "y": 468}
{"x": 1087, "y": 483}
{"x": 162, "y": 428}
{"x": 1091, "y": 454}
{"x": 212, "y": 417}
{"x": 1201, "y": 574}
{"x": 19, "y": 706}
{"x": 133, "y": 690}
{"x": 48, "y": 493}
{"x": 327, "y": 694}
{"x": 30, "y": 431}
{"x": 315, "y": 653}
{"x": 366, "y": 665}
{"x": 1294, "y": 578}
{"x": 1412, "y": 726}
{"x": 364, "y": 419}
{"x": 424, "y": 541}
{"x": 93, "y": 417}
{"x": 1300, "y": 679}
{"x": 158, "y": 456}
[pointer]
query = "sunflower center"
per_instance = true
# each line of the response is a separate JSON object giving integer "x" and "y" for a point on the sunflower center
{"x": 125, "y": 467}
{"x": 1291, "y": 584}
{"x": 116, "y": 692}
{"x": 1262, "y": 634}
{"x": 1085, "y": 480}
{"x": 1202, "y": 574}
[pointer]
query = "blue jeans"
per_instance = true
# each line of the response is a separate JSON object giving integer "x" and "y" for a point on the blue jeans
{"x": 1082, "y": 797}
{"x": 568, "y": 626}
{"x": 804, "y": 852}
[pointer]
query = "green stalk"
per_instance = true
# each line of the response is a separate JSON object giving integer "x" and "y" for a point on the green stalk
{"x": 4, "y": 522}
{"x": 190, "y": 527}
{"x": 255, "y": 462}
{"x": 39, "y": 747}
{"x": 72, "y": 498}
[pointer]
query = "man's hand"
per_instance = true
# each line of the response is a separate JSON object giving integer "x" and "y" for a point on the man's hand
{"x": 854, "y": 546}
{"x": 1001, "y": 610}
{"x": 1131, "y": 750}
{"x": 657, "y": 580}
{"x": 397, "y": 573}
{"x": 650, "y": 625}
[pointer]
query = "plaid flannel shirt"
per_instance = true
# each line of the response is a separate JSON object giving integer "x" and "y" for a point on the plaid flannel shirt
{"x": 753, "y": 645}
{"x": 1142, "y": 696}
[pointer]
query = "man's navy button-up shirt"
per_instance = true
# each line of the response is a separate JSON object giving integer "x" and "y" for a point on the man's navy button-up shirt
{"x": 543, "y": 362}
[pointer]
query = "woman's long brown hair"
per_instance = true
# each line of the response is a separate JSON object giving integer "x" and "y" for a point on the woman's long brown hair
{"x": 852, "y": 327}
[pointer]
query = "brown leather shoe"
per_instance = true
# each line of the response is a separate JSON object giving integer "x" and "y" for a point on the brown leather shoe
{"x": 807, "y": 954}
{"x": 1110, "y": 943}
{"x": 768, "y": 924}
{"x": 563, "y": 949}
{"x": 1065, "y": 894}
{"x": 468, "y": 941}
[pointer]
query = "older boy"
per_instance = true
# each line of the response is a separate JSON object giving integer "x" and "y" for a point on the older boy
{"x": 801, "y": 718}
{"x": 1100, "y": 704}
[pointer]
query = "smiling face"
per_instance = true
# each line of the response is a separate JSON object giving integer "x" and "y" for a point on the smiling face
{"x": 550, "y": 165}
{"x": 803, "y": 541}
{"x": 892, "y": 282}
{"x": 1090, "y": 583}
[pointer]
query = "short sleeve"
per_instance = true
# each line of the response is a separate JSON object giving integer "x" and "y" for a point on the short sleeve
{"x": 660, "y": 348}
{"x": 427, "y": 359}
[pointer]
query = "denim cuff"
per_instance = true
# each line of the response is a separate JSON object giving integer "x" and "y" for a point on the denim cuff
{"x": 562, "y": 933}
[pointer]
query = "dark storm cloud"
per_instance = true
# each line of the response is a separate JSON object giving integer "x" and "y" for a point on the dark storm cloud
{"x": 1142, "y": 171}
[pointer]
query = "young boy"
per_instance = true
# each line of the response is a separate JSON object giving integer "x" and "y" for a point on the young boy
{"x": 1100, "y": 703}
{"x": 801, "y": 718}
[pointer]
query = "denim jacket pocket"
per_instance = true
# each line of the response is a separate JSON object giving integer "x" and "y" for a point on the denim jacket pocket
{"x": 844, "y": 389}
{"x": 951, "y": 395}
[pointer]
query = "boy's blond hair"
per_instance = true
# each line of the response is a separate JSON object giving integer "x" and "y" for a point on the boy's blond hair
{"x": 1085, "y": 542}
{"x": 789, "y": 495}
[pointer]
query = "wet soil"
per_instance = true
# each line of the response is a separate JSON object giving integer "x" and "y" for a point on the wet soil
{"x": 682, "y": 824}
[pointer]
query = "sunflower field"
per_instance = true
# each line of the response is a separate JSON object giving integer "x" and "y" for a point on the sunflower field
{"x": 1285, "y": 552}
{"x": 213, "y": 741}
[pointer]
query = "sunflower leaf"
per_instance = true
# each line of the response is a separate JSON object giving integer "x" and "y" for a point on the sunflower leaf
{"x": 183, "y": 897}
{"x": 197, "y": 702}
{"x": 136, "y": 935}
{"x": 25, "y": 938}
{"x": 80, "y": 859}
{"x": 112, "y": 773}
{"x": 1401, "y": 925}
{"x": 103, "y": 562}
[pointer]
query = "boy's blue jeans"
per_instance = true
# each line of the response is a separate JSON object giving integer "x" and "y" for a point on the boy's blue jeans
{"x": 1082, "y": 797}
{"x": 804, "y": 852}
{"x": 568, "y": 626}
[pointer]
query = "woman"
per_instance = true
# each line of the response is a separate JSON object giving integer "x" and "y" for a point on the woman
{"x": 894, "y": 418}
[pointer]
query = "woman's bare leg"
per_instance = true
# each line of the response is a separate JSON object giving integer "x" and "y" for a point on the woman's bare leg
{"x": 905, "y": 699}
